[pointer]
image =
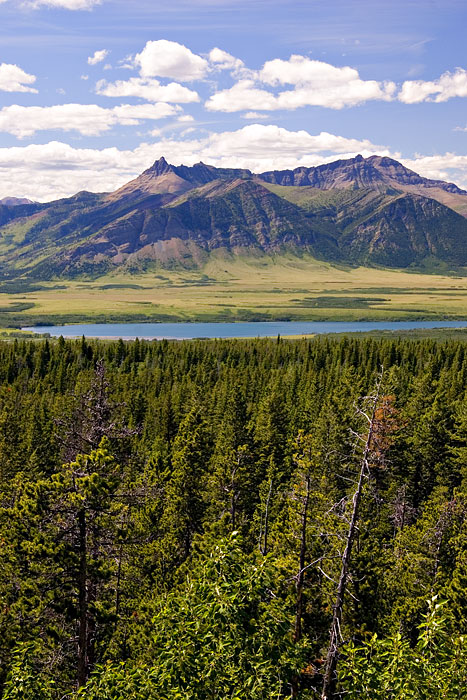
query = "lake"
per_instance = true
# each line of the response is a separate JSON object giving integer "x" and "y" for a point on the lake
{"x": 259, "y": 329}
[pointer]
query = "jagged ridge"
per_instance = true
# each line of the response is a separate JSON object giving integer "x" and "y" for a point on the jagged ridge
{"x": 361, "y": 210}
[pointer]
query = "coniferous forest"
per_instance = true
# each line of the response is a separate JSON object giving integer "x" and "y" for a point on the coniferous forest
{"x": 235, "y": 519}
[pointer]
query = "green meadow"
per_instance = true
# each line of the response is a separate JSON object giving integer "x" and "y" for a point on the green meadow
{"x": 233, "y": 288}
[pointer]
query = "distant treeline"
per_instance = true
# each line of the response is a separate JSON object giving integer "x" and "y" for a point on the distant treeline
{"x": 173, "y": 518}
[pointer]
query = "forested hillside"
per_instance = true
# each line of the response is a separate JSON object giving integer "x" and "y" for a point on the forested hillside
{"x": 176, "y": 519}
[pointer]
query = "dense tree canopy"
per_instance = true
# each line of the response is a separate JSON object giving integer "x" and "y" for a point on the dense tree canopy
{"x": 173, "y": 517}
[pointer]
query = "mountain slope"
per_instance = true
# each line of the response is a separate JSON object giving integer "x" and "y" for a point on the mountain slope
{"x": 370, "y": 227}
{"x": 360, "y": 211}
{"x": 408, "y": 230}
{"x": 378, "y": 173}
{"x": 165, "y": 179}
{"x": 234, "y": 214}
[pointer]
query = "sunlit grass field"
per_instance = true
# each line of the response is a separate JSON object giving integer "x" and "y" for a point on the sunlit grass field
{"x": 232, "y": 288}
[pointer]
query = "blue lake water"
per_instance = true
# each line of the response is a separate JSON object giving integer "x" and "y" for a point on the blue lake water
{"x": 260, "y": 329}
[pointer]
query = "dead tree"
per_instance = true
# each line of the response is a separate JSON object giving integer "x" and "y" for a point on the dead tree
{"x": 264, "y": 523}
{"x": 93, "y": 417}
{"x": 370, "y": 446}
{"x": 303, "y": 459}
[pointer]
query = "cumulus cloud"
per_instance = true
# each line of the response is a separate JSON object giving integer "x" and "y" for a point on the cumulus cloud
{"x": 224, "y": 60}
{"x": 300, "y": 70}
{"x": 169, "y": 59}
{"x": 447, "y": 166}
{"x": 221, "y": 60}
{"x": 57, "y": 169}
{"x": 263, "y": 147}
{"x": 98, "y": 57}
{"x": 88, "y": 120}
{"x": 254, "y": 115}
{"x": 243, "y": 95}
{"x": 65, "y": 4}
{"x": 148, "y": 89}
{"x": 315, "y": 84}
{"x": 444, "y": 88}
{"x": 15, "y": 79}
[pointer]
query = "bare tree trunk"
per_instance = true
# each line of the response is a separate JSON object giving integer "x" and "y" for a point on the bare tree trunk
{"x": 301, "y": 572}
{"x": 82, "y": 601}
{"x": 91, "y": 630}
{"x": 330, "y": 673}
{"x": 234, "y": 495}
{"x": 233, "y": 511}
{"x": 263, "y": 540}
{"x": 119, "y": 577}
{"x": 300, "y": 578}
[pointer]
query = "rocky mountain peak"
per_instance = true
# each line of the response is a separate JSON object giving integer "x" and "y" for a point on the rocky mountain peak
{"x": 15, "y": 201}
{"x": 160, "y": 167}
{"x": 358, "y": 210}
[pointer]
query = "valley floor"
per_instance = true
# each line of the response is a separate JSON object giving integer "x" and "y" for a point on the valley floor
{"x": 229, "y": 289}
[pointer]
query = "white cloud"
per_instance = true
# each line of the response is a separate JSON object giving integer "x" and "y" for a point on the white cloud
{"x": 65, "y": 4}
{"x": 243, "y": 95}
{"x": 15, "y": 79}
{"x": 254, "y": 115}
{"x": 315, "y": 84}
{"x": 185, "y": 118}
{"x": 89, "y": 120}
{"x": 446, "y": 86}
{"x": 98, "y": 57}
{"x": 449, "y": 167}
{"x": 56, "y": 170}
{"x": 148, "y": 89}
{"x": 53, "y": 170}
{"x": 300, "y": 70}
{"x": 221, "y": 60}
{"x": 224, "y": 60}
{"x": 168, "y": 59}
{"x": 264, "y": 147}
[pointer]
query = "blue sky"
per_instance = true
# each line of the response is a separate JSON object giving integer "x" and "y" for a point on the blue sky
{"x": 92, "y": 92}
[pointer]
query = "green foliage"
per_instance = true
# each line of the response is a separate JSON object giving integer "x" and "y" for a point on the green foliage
{"x": 390, "y": 668}
{"x": 224, "y": 634}
{"x": 24, "y": 682}
{"x": 120, "y": 554}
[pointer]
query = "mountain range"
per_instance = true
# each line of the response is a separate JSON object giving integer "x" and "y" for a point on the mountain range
{"x": 361, "y": 211}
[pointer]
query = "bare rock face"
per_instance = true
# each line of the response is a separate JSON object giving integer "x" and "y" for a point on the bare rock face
{"x": 14, "y": 201}
{"x": 361, "y": 210}
{"x": 375, "y": 172}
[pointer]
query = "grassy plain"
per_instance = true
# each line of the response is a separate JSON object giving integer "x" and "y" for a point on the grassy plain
{"x": 232, "y": 288}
